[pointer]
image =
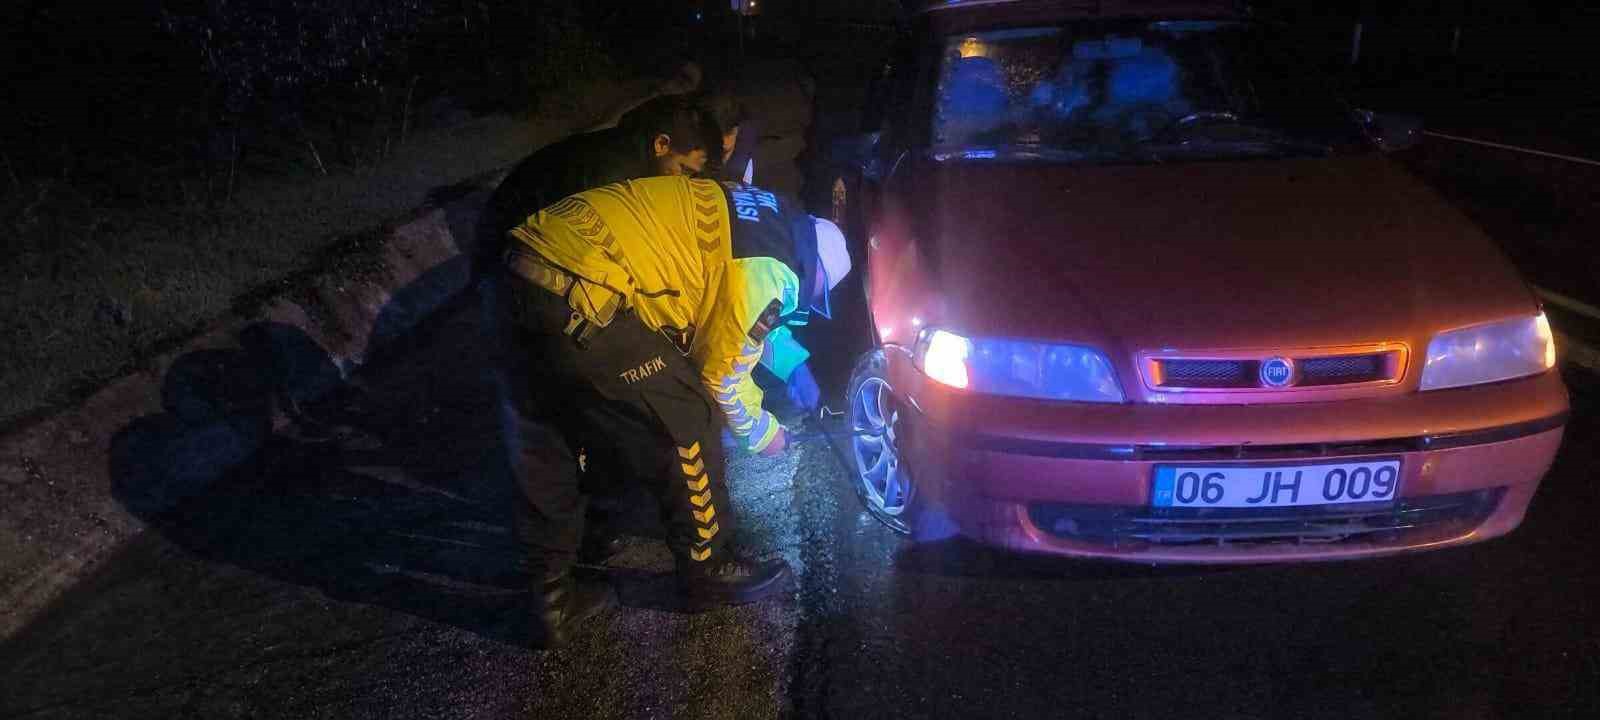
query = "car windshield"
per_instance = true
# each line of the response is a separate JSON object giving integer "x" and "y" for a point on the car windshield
{"x": 1143, "y": 92}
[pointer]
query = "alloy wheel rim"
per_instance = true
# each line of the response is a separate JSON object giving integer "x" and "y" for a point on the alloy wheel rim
{"x": 884, "y": 484}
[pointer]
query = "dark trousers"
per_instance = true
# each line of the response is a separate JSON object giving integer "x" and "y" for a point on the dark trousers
{"x": 630, "y": 402}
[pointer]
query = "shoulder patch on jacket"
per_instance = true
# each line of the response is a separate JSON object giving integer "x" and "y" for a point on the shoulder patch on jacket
{"x": 766, "y": 321}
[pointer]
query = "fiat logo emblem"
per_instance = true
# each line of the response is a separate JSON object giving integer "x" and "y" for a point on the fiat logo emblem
{"x": 1277, "y": 372}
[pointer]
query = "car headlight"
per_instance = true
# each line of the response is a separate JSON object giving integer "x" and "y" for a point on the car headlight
{"x": 1489, "y": 353}
{"x": 1018, "y": 368}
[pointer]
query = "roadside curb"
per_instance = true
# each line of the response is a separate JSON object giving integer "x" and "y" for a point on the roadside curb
{"x": 58, "y": 515}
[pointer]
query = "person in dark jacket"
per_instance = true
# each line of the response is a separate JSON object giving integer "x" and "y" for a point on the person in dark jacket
{"x": 670, "y": 135}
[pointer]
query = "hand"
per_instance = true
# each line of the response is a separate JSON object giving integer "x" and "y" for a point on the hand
{"x": 779, "y": 443}
{"x": 802, "y": 388}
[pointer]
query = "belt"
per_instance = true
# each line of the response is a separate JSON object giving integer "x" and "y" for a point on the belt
{"x": 579, "y": 294}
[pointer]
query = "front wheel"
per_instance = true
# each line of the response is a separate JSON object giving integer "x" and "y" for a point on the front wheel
{"x": 881, "y": 481}
{"x": 879, "y": 474}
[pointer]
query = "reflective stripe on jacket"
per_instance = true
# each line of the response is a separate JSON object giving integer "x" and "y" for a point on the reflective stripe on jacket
{"x": 666, "y": 245}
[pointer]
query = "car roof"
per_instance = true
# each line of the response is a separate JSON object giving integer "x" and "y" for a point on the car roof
{"x": 1097, "y": 8}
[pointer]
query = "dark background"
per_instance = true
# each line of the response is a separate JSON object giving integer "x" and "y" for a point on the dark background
{"x": 125, "y": 101}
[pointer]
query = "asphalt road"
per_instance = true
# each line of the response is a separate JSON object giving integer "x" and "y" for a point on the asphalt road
{"x": 367, "y": 581}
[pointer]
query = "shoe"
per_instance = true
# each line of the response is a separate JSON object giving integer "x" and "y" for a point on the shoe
{"x": 599, "y": 548}
{"x": 731, "y": 582}
{"x": 564, "y": 604}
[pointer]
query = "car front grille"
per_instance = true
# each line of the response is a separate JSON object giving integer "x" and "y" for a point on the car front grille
{"x": 1411, "y": 520}
{"x": 1343, "y": 369}
{"x": 1200, "y": 373}
{"x": 1209, "y": 373}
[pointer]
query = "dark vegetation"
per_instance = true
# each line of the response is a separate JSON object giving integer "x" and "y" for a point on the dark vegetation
{"x": 178, "y": 101}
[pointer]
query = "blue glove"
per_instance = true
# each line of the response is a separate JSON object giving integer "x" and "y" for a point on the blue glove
{"x": 782, "y": 353}
{"x": 802, "y": 388}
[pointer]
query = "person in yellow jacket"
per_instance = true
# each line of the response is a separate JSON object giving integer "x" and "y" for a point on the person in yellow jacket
{"x": 635, "y": 314}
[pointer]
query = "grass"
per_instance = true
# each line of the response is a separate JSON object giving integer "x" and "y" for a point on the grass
{"x": 91, "y": 292}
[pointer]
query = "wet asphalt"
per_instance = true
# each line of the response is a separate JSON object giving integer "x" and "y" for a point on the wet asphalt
{"x": 367, "y": 578}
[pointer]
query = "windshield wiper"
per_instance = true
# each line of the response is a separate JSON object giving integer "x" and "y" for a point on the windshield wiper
{"x": 1043, "y": 153}
{"x": 1253, "y": 146}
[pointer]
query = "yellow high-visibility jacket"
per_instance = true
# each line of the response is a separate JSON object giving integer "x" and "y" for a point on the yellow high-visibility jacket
{"x": 667, "y": 246}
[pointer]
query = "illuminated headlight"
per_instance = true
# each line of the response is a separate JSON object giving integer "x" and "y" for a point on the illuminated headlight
{"x": 1018, "y": 368}
{"x": 1489, "y": 353}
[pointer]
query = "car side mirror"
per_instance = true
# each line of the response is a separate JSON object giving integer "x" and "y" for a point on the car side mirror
{"x": 1389, "y": 131}
{"x": 859, "y": 153}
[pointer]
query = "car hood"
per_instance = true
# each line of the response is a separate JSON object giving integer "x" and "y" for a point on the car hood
{"x": 1207, "y": 255}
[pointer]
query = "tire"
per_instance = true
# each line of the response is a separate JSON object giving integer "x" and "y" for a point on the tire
{"x": 910, "y": 511}
{"x": 881, "y": 482}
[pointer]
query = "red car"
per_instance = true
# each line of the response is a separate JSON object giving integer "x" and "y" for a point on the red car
{"x": 1142, "y": 289}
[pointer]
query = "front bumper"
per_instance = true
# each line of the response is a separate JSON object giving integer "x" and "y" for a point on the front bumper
{"x": 1075, "y": 479}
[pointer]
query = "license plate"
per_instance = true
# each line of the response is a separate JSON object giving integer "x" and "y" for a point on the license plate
{"x": 1262, "y": 486}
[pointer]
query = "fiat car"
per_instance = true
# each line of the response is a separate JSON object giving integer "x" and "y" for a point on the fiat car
{"x": 1140, "y": 286}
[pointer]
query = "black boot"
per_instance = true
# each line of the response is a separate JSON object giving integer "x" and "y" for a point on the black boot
{"x": 564, "y": 603}
{"x": 599, "y": 546}
{"x": 730, "y": 582}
